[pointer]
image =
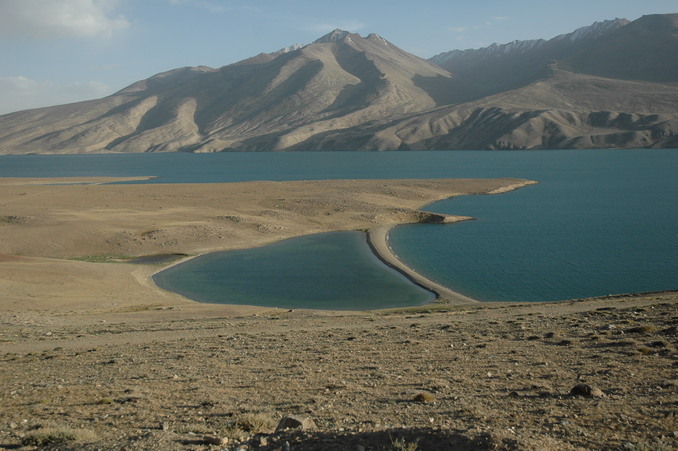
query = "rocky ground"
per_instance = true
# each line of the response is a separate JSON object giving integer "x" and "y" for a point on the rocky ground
{"x": 488, "y": 376}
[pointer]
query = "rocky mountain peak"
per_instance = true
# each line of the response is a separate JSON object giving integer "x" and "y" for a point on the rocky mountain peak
{"x": 376, "y": 37}
{"x": 332, "y": 36}
{"x": 291, "y": 48}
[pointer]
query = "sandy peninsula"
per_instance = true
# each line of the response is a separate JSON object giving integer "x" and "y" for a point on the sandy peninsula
{"x": 74, "y": 236}
{"x": 91, "y": 349}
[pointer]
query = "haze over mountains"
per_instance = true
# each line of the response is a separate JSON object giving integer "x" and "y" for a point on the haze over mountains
{"x": 612, "y": 84}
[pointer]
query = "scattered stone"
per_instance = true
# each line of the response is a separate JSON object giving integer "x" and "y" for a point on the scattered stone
{"x": 424, "y": 396}
{"x": 658, "y": 344}
{"x": 647, "y": 329}
{"x": 215, "y": 440}
{"x": 586, "y": 391}
{"x": 295, "y": 422}
{"x": 644, "y": 350}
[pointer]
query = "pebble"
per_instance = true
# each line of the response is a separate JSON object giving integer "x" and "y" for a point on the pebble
{"x": 586, "y": 391}
{"x": 424, "y": 397}
{"x": 295, "y": 422}
{"x": 214, "y": 440}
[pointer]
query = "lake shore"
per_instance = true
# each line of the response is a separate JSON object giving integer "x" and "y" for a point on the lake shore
{"x": 74, "y": 233}
{"x": 109, "y": 346}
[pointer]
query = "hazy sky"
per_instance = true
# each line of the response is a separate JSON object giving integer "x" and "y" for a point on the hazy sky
{"x": 61, "y": 51}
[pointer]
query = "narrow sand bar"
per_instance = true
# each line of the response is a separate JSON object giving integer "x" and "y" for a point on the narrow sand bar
{"x": 378, "y": 240}
{"x": 69, "y": 180}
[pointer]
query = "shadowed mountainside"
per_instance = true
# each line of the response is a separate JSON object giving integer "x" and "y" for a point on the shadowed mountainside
{"x": 613, "y": 84}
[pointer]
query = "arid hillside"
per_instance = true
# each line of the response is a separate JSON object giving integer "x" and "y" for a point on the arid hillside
{"x": 612, "y": 84}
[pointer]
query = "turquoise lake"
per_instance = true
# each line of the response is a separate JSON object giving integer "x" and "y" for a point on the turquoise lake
{"x": 599, "y": 222}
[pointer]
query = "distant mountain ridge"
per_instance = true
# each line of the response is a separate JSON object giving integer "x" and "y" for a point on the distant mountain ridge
{"x": 506, "y": 66}
{"x": 612, "y": 84}
{"x": 516, "y": 47}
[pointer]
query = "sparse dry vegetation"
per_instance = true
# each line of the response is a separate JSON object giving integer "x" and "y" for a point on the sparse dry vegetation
{"x": 53, "y": 434}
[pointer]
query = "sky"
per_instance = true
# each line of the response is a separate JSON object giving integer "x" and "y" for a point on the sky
{"x": 61, "y": 51}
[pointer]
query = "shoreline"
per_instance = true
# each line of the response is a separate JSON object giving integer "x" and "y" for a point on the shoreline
{"x": 65, "y": 181}
{"x": 99, "y": 224}
{"x": 377, "y": 239}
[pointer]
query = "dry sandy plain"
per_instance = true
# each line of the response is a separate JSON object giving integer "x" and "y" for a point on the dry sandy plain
{"x": 94, "y": 356}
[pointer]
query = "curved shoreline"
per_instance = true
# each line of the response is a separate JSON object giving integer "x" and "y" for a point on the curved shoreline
{"x": 377, "y": 239}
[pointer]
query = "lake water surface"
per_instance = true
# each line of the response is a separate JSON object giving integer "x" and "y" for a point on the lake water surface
{"x": 599, "y": 222}
{"x": 335, "y": 270}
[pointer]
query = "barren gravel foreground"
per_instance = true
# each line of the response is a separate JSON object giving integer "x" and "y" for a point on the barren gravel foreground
{"x": 92, "y": 356}
{"x": 481, "y": 377}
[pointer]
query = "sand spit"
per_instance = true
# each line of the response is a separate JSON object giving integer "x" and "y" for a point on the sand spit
{"x": 90, "y": 348}
{"x": 378, "y": 241}
{"x": 68, "y": 180}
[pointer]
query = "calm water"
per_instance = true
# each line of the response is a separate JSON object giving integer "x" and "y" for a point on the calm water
{"x": 281, "y": 166}
{"x": 553, "y": 241}
{"x": 325, "y": 271}
{"x": 599, "y": 222}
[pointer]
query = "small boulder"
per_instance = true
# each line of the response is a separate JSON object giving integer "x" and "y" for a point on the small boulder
{"x": 424, "y": 396}
{"x": 295, "y": 422}
{"x": 215, "y": 440}
{"x": 586, "y": 391}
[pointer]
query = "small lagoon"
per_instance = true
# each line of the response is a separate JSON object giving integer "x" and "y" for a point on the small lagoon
{"x": 334, "y": 271}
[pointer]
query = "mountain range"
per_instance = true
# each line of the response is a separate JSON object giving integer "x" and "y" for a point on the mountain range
{"x": 613, "y": 84}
